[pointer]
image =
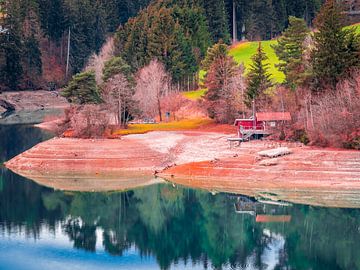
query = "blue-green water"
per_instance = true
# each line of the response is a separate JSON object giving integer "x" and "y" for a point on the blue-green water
{"x": 162, "y": 227}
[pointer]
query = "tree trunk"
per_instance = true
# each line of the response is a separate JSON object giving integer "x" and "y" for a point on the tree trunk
{"x": 119, "y": 112}
{"x": 159, "y": 109}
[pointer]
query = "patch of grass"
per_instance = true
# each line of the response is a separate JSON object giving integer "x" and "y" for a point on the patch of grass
{"x": 194, "y": 95}
{"x": 188, "y": 124}
{"x": 243, "y": 52}
{"x": 356, "y": 26}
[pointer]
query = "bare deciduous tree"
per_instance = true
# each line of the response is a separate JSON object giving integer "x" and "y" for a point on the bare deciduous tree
{"x": 118, "y": 95}
{"x": 97, "y": 62}
{"x": 152, "y": 83}
{"x": 333, "y": 117}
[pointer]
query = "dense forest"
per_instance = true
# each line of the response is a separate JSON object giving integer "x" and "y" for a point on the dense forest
{"x": 34, "y": 33}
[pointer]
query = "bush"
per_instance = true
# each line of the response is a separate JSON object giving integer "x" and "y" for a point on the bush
{"x": 334, "y": 116}
{"x": 300, "y": 136}
{"x": 87, "y": 121}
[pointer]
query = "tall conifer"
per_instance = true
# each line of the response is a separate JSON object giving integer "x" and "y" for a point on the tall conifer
{"x": 258, "y": 77}
{"x": 336, "y": 48}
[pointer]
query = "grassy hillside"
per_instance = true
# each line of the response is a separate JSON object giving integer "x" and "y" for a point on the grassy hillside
{"x": 243, "y": 52}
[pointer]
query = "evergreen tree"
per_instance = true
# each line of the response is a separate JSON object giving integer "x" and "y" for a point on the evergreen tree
{"x": 215, "y": 52}
{"x": 173, "y": 32}
{"x": 290, "y": 49}
{"x": 82, "y": 89}
{"x": 52, "y": 17}
{"x": 11, "y": 48}
{"x": 336, "y": 48}
{"x": 115, "y": 66}
{"x": 218, "y": 20}
{"x": 258, "y": 77}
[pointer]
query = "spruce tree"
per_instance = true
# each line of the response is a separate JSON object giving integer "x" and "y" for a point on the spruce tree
{"x": 82, "y": 89}
{"x": 11, "y": 47}
{"x": 258, "y": 77}
{"x": 218, "y": 20}
{"x": 289, "y": 49}
{"x": 215, "y": 52}
{"x": 336, "y": 48}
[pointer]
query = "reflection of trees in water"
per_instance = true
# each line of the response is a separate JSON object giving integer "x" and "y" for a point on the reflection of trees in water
{"x": 83, "y": 235}
{"x": 21, "y": 206}
{"x": 15, "y": 139}
{"x": 175, "y": 224}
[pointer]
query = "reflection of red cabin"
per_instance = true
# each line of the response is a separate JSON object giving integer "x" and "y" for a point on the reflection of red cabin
{"x": 272, "y": 219}
{"x": 261, "y": 124}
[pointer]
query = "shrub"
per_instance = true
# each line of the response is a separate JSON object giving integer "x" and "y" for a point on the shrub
{"x": 87, "y": 121}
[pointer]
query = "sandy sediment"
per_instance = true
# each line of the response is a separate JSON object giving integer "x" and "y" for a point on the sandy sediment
{"x": 198, "y": 159}
{"x": 309, "y": 176}
{"x": 80, "y": 164}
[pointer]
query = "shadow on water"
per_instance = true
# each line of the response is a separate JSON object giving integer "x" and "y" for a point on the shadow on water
{"x": 176, "y": 227}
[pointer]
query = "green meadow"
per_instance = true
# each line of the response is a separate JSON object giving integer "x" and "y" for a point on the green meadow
{"x": 243, "y": 52}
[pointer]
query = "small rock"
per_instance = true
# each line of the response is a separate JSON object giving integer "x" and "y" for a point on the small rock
{"x": 269, "y": 162}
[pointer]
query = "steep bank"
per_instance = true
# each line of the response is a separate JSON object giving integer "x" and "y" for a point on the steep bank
{"x": 34, "y": 100}
{"x": 32, "y": 107}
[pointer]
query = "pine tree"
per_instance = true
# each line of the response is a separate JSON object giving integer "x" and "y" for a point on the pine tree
{"x": 82, "y": 89}
{"x": 290, "y": 49}
{"x": 336, "y": 48}
{"x": 258, "y": 77}
{"x": 114, "y": 66}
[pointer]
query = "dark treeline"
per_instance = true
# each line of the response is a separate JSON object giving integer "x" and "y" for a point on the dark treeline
{"x": 33, "y": 38}
{"x": 263, "y": 19}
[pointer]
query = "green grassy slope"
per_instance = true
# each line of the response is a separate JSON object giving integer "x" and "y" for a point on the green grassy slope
{"x": 243, "y": 52}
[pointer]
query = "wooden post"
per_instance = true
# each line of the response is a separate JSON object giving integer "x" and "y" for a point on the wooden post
{"x": 234, "y": 22}
{"x": 254, "y": 114}
{"x": 68, "y": 54}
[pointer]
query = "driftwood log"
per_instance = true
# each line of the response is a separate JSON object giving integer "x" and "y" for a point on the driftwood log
{"x": 7, "y": 105}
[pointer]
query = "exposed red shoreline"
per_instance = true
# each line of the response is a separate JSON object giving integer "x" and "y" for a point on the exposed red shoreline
{"x": 197, "y": 159}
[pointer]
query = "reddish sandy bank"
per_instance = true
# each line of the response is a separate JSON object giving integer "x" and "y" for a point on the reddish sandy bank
{"x": 79, "y": 164}
{"x": 309, "y": 176}
{"x": 196, "y": 159}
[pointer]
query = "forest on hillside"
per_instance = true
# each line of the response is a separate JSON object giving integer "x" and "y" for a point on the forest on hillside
{"x": 34, "y": 33}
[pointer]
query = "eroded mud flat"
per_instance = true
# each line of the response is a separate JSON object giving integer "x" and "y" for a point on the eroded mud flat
{"x": 324, "y": 177}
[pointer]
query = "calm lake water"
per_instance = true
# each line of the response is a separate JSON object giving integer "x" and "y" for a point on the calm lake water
{"x": 162, "y": 227}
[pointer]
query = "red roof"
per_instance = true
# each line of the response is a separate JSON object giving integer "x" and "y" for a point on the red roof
{"x": 273, "y": 116}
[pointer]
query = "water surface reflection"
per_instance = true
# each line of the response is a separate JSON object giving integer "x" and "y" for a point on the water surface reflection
{"x": 166, "y": 227}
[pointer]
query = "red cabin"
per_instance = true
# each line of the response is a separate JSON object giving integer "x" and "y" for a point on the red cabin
{"x": 260, "y": 125}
